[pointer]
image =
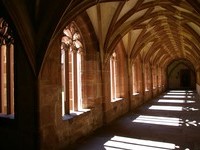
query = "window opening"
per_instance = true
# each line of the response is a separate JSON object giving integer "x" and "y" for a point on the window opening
{"x": 185, "y": 78}
{"x": 154, "y": 74}
{"x": 135, "y": 78}
{"x": 71, "y": 69}
{"x": 113, "y": 73}
{"x": 6, "y": 69}
{"x": 116, "y": 76}
{"x": 146, "y": 77}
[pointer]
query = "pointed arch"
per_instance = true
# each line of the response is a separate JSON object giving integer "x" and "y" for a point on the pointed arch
{"x": 72, "y": 48}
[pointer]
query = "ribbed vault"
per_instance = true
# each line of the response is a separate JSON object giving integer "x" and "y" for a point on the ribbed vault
{"x": 159, "y": 31}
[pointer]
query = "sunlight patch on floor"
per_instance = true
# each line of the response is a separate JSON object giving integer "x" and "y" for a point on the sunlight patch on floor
{"x": 175, "y": 101}
{"x": 175, "y": 93}
{"x": 178, "y": 91}
{"x": 167, "y": 108}
{"x": 174, "y": 96}
{"x": 125, "y": 143}
{"x": 170, "y": 101}
{"x": 169, "y": 121}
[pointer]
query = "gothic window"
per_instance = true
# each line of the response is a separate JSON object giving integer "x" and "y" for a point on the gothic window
{"x": 113, "y": 76}
{"x": 6, "y": 70}
{"x": 159, "y": 77}
{"x": 135, "y": 78}
{"x": 154, "y": 76}
{"x": 71, "y": 69}
{"x": 116, "y": 76}
{"x": 147, "y": 76}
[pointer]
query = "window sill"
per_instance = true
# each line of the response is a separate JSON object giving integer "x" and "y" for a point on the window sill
{"x": 117, "y": 99}
{"x": 7, "y": 116}
{"x": 74, "y": 114}
{"x": 135, "y": 94}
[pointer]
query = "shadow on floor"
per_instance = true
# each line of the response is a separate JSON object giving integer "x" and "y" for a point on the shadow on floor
{"x": 169, "y": 122}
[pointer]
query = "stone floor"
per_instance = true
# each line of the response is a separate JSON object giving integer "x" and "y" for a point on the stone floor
{"x": 171, "y": 121}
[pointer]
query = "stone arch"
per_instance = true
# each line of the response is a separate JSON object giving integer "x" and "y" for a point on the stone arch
{"x": 181, "y": 75}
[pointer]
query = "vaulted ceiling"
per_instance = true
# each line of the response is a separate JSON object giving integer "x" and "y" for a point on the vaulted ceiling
{"x": 159, "y": 31}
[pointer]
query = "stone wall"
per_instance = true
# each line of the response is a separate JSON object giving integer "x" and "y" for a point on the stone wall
{"x": 136, "y": 101}
{"x": 113, "y": 109}
{"x": 57, "y": 132}
{"x": 198, "y": 88}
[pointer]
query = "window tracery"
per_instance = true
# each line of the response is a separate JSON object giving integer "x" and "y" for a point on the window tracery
{"x": 71, "y": 61}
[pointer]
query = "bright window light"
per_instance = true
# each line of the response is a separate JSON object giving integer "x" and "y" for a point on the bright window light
{"x": 178, "y": 91}
{"x": 174, "y": 101}
{"x": 63, "y": 104}
{"x": 174, "y": 93}
{"x": 191, "y": 123}
{"x": 124, "y": 143}
{"x": 190, "y": 109}
{"x": 190, "y": 91}
{"x": 172, "y": 108}
{"x": 111, "y": 148}
{"x": 169, "y": 121}
{"x": 174, "y": 96}
{"x": 190, "y": 102}
{"x": 171, "y": 101}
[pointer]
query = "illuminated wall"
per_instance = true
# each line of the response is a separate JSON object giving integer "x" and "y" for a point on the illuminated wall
{"x": 198, "y": 83}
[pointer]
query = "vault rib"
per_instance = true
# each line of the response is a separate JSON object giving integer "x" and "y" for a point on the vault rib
{"x": 153, "y": 32}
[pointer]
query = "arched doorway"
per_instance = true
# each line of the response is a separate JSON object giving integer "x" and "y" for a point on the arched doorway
{"x": 185, "y": 78}
{"x": 181, "y": 75}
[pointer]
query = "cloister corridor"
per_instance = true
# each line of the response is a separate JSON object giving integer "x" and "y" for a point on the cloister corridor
{"x": 100, "y": 75}
{"x": 170, "y": 121}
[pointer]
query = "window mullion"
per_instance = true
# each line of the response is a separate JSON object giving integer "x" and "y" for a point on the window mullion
{"x": 12, "y": 77}
{"x": 75, "y": 89}
{"x": 79, "y": 81}
{"x": 8, "y": 77}
{"x": 133, "y": 77}
{"x": 136, "y": 78}
{"x": 66, "y": 82}
{"x": 115, "y": 78}
{"x": 111, "y": 78}
{"x": 3, "y": 79}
